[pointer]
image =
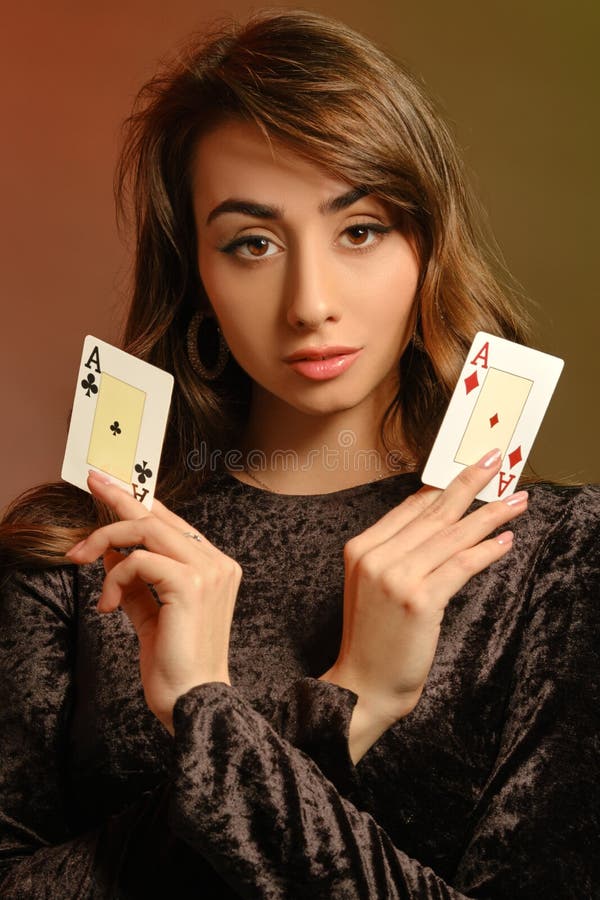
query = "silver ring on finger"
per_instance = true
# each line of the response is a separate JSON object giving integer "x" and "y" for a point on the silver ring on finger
{"x": 192, "y": 534}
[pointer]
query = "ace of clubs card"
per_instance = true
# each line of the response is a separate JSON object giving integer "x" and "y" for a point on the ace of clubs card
{"x": 499, "y": 401}
{"x": 118, "y": 421}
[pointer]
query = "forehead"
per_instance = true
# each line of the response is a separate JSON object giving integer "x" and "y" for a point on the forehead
{"x": 235, "y": 159}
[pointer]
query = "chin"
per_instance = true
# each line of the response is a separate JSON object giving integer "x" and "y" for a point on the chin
{"x": 324, "y": 406}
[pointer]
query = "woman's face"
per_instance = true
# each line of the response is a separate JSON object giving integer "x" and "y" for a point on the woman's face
{"x": 294, "y": 260}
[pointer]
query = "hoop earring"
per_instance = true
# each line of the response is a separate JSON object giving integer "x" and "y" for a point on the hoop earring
{"x": 192, "y": 349}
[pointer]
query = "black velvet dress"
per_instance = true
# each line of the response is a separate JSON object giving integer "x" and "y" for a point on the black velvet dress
{"x": 488, "y": 789}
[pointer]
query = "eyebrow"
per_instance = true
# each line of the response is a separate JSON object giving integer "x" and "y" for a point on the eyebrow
{"x": 261, "y": 211}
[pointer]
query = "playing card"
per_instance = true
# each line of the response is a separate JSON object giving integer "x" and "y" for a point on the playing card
{"x": 499, "y": 401}
{"x": 118, "y": 421}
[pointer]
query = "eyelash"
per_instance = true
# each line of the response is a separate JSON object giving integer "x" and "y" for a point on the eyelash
{"x": 381, "y": 230}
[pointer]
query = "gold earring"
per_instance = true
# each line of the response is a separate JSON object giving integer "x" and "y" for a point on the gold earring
{"x": 192, "y": 348}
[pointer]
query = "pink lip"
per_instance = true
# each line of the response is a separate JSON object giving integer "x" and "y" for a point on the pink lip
{"x": 323, "y": 369}
{"x": 319, "y": 352}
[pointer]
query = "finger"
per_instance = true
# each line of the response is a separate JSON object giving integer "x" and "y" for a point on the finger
{"x": 462, "y": 535}
{"x": 169, "y": 518}
{"x": 452, "y": 503}
{"x": 111, "y": 559}
{"x": 430, "y": 509}
{"x": 121, "y": 502}
{"x": 127, "y": 581}
{"x": 147, "y": 531}
{"x": 126, "y": 506}
{"x": 462, "y": 490}
{"x": 454, "y": 574}
{"x": 137, "y": 602}
{"x": 397, "y": 518}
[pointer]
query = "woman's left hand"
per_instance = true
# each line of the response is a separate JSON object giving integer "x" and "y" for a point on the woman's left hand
{"x": 184, "y": 640}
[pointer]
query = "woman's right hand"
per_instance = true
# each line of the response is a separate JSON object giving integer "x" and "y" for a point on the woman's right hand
{"x": 399, "y": 576}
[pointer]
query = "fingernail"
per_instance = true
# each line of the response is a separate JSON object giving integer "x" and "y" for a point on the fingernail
{"x": 505, "y": 538}
{"x": 97, "y": 476}
{"x": 490, "y": 459}
{"x": 76, "y": 548}
{"x": 517, "y": 499}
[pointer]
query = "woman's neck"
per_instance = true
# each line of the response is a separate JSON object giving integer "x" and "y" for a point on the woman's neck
{"x": 291, "y": 452}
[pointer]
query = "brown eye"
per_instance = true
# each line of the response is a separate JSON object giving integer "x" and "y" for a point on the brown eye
{"x": 257, "y": 246}
{"x": 364, "y": 235}
{"x": 358, "y": 234}
{"x": 252, "y": 246}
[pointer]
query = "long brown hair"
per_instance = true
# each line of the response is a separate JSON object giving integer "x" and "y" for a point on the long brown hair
{"x": 337, "y": 100}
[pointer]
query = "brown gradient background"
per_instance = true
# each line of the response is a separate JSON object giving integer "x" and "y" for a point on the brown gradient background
{"x": 517, "y": 81}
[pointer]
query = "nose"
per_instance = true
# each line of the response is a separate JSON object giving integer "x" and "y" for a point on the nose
{"x": 312, "y": 293}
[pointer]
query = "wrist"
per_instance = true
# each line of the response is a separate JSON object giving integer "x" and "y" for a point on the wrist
{"x": 165, "y": 714}
{"x": 375, "y": 711}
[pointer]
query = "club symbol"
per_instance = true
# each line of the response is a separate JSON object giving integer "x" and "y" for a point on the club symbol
{"x": 88, "y": 385}
{"x": 115, "y": 429}
{"x": 471, "y": 382}
{"x": 494, "y": 420}
{"x": 143, "y": 472}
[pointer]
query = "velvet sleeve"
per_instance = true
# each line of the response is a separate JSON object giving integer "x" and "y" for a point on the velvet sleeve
{"x": 36, "y": 656}
{"x": 536, "y": 831}
{"x": 40, "y": 855}
{"x": 274, "y": 826}
{"x": 315, "y": 716}
{"x": 266, "y": 817}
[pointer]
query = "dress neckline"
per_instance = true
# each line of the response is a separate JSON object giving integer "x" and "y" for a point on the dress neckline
{"x": 391, "y": 481}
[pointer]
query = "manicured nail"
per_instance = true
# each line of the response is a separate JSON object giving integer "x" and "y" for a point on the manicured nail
{"x": 76, "y": 548}
{"x": 517, "y": 499}
{"x": 97, "y": 476}
{"x": 490, "y": 459}
{"x": 506, "y": 538}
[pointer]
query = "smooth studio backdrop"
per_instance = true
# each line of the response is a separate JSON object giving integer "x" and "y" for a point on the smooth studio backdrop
{"x": 517, "y": 81}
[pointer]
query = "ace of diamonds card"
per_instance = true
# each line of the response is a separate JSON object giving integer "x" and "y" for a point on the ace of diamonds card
{"x": 499, "y": 401}
{"x": 118, "y": 421}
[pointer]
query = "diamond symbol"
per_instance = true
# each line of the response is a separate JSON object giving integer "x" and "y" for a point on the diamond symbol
{"x": 471, "y": 382}
{"x": 494, "y": 420}
{"x": 515, "y": 457}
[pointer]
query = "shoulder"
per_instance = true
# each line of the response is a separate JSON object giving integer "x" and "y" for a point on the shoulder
{"x": 563, "y": 517}
{"x": 552, "y": 497}
{"x": 550, "y": 580}
{"x": 561, "y": 565}
{"x": 36, "y": 592}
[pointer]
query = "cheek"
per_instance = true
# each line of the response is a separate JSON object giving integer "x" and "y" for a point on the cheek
{"x": 235, "y": 302}
{"x": 223, "y": 289}
{"x": 214, "y": 279}
{"x": 394, "y": 288}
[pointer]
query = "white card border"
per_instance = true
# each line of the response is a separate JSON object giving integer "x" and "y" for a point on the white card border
{"x": 157, "y": 386}
{"x": 542, "y": 368}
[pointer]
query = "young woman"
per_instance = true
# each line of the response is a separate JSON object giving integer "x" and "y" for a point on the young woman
{"x": 302, "y": 674}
